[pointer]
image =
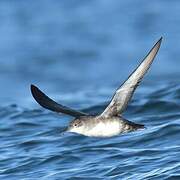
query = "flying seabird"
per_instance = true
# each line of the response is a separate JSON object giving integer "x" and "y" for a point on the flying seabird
{"x": 110, "y": 122}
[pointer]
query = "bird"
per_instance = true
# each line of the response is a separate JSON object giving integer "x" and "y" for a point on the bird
{"x": 111, "y": 121}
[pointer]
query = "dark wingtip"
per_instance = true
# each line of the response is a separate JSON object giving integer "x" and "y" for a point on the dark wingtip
{"x": 44, "y": 100}
{"x": 158, "y": 44}
{"x": 34, "y": 91}
{"x": 160, "y": 40}
{"x": 38, "y": 95}
{"x": 33, "y": 88}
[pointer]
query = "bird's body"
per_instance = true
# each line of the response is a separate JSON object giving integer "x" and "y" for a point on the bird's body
{"x": 97, "y": 126}
{"x": 110, "y": 122}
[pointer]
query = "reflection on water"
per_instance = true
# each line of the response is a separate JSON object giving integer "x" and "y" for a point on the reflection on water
{"x": 78, "y": 52}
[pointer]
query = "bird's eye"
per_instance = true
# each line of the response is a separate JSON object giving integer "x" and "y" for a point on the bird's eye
{"x": 75, "y": 124}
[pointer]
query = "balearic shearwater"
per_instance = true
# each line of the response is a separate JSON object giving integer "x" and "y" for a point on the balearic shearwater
{"x": 110, "y": 122}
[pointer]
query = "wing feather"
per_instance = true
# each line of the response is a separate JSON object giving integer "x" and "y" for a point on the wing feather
{"x": 124, "y": 93}
{"x": 48, "y": 103}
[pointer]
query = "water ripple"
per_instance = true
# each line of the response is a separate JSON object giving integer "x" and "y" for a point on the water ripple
{"x": 32, "y": 143}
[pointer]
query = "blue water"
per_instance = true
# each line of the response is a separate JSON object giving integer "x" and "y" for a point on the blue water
{"x": 79, "y": 52}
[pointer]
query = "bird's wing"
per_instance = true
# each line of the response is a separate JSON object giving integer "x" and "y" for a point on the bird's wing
{"x": 124, "y": 93}
{"x": 48, "y": 103}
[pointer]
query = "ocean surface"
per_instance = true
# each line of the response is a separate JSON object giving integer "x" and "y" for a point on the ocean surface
{"x": 79, "y": 52}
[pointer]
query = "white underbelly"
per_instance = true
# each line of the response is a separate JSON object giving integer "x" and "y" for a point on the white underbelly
{"x": 104, "y": 129}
